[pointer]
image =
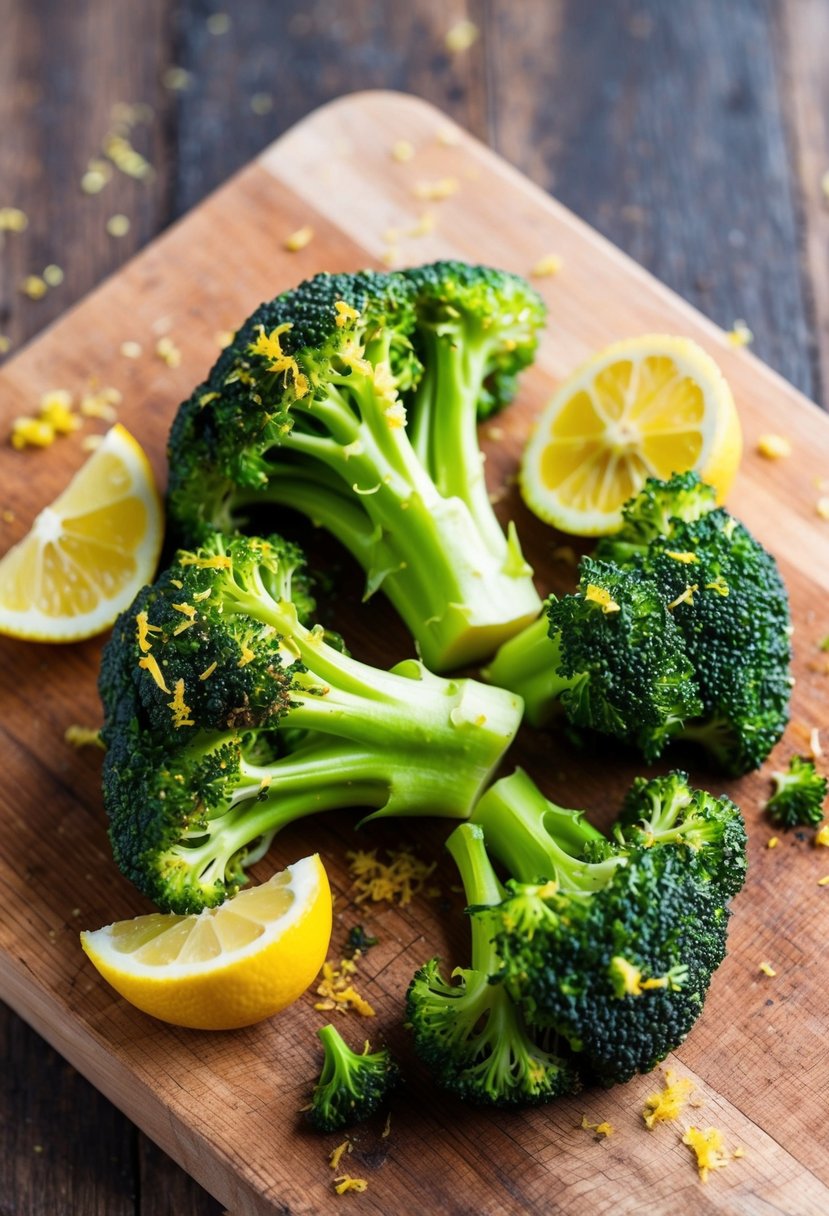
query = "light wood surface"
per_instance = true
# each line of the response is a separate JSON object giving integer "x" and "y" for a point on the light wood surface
{"x": 225, "y": 1106}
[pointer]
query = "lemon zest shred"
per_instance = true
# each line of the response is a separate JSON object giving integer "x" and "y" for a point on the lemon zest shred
{"x": 823, "y": 882}
{"x": 346, "y": 1183}
{"x": 83, "y": 736}
{"x": 709, "y": 1148}
{"x": 719, "y": 585}
{"x": 669, "y": 1102}
{"x": 685, "y": 558}
{"x": 772, "y": 842}
{"x": 338, "y": 990}
{"x": 345, "y": 313}
{"x": 601, "y": 1129}
{"x": 178, "y": 707}
{"x": 822, "y": 835}
{"x": 219, "y": 561}
{"x": 397, "y": 880}
{"x": 208, "y": 671}
{"x": 32, "y": 432}
{"x": 299, "y": 239}
{"x": 337, "y": 1154}
{"x": 767, "y": 969}
{"x": 546, "y": 267}
{"x": 602, "y": 597}
{"x": 386, "y": 1132}
{"x": 687, "y": 596}
{"x": 774, "y": 447}
{"x": 270, "y": 348}
{"x": 247, "y": 655}
{"x": 150, "y": 664}
{"x": 144, "y": 629}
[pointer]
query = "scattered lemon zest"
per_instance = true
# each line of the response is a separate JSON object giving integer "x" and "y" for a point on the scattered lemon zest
{"x": 56, "y": 409}
{"x": 687, "y": 596}
{"x": 270, "y": 348}
{"x": 739, "y": 334}
{"x": 345, "y": 313}
{"x": 390, "y": 257}
{"x": 599, "y": 595}
{"x": 346, "y": 1183}
{"x": 168, "y": 352}
{"x": 546, "y": 267}
{"x": 772, "y": 842}
{"x": 448, "y": 137}
{"x": 176, "y": 78}
{"x": 396, "y": 881}
{"x": 738, "y": 1152}
{"x": 719, "y": 585}
{"x": 437, "y": 191}
{"x": 12, "y": 219}
{"x": 823, "y": 882}
{"x": 299, "y": 239}
{"x": 208, "y": 671}
{"x": 774, "y": 447}
{"x": 93, "y": 181}
{"x": 402, "y": 150}
{"x": 34, "y": 287}
{"x": 767, "y": 969}
{"x": 144, "y": 630}
{"x": 669, "y": 1102}
{"x": 709, "y": 1149}
{"x": 223, "y": 339}
{"x": 386, "y": 1132}
{"x": 822, "y": 835}
{"x": 179, "y": 710}
{"x": 218, "y": 561}
{"x": 83, "y": 736}
{"x": 822, "y": 507}
{"x": 338, "y": 991}
{"x": 5, "y": 343}
{"x": 118, "y": 225}
{"x": 601, "y": 1129}
{"x": 150, "y": 664}
{"x": 53, "y": 275}
{"x": 337, "y": 1154}
{"x": 31, "y": 432}
{"x": 686, "y": 558}
{"x": 247, "y": 655}
{"x": 131, "y": 350}
{"x": 462, "y": 35}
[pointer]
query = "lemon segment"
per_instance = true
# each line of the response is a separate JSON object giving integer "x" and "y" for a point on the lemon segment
{"x": 223, "y": 967}
{"x": 89, "y": 553}
{"x": 644, "y": 407}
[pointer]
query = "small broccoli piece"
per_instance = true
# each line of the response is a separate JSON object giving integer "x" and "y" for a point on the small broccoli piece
{"x": 728, "y": 601}
{"x": 799, "y": 794}
{"x": 358, "y": 939}
{"x": 611, "y": 655}
{"x": 352, "y": 1085}
{"x": 226, "y": 718}
{"x": 309, "y": 409}
{"x": 468, "y": 1030}
{"x": 612, "y": 945}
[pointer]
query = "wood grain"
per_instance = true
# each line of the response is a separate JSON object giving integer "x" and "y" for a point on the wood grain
{"x": 760, "y": 1067}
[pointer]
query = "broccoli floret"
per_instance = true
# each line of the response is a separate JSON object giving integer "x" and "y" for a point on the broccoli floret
{"x": 729, "y": 602}
{"x": 324, "y": 403}
{"x": 611, "y": 945}
{"x": 228, "y": 719}
{"x": 468, "y": 1030}
{"x": 611, "y": 655}
{"x": 359, "y": 940}
{"x": 352, "y": 1085}
{"x": 799, "y": 794}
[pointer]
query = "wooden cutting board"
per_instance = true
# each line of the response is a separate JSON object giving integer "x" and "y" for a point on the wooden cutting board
{"x": 225, "y": 1105}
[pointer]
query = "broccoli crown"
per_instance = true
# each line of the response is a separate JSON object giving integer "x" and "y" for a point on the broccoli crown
{"x": 666, "y": 810}
{"x": 476, "y": 310}
{"x": 612, "y": 945}
{"x": 468, "y": 1031}
{"x": 351, "y": 1086}
{"x": 729, "y": 603}
{"x": 308, "y": 409}
{"x": 655, "y": 511}
{"x": 799, "y": 794}
{"x": 623, "y": 657}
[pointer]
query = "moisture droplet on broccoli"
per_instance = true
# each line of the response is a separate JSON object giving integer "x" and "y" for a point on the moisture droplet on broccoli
{"x": 354, "y": 399}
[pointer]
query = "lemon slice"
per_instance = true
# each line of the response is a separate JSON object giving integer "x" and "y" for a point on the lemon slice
{"x": 645, "y": 407}
{"x": 89, "y": 553}
{"x": 223, "y": 967}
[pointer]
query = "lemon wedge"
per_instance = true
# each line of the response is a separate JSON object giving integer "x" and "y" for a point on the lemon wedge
{"x": 89, "y": 553}
{"x": 223, "y": 967}
{"x": 645, "y": 407}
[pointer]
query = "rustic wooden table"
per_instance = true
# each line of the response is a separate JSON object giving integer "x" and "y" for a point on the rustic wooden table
{"x": 695, "y": 139}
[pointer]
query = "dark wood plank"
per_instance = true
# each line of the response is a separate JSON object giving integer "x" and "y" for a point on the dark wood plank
{"x": 802, "y": 42}
{"x": 662, "y": 126}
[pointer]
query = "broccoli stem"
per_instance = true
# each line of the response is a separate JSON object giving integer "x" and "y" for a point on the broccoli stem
{"x": 338, "y": 1062}
{"x": 528, "y": 665}
{"x": 535, "y": 839}
{"x": 481, "y": 889}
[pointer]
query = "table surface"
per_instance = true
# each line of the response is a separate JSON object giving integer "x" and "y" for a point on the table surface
{"x": 694, "y": 139}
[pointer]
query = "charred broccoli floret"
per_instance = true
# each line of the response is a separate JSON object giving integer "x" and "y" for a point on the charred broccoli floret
{"x": 352, "y": 1085}
{"x": 353, "y": 399}
{"x": 468, "y": 1030}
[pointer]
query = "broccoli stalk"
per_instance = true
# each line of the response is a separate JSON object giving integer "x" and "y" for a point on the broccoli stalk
{"x": 352, "y": 1085}
{"x": 469, "y": 1031}
{"x": 610, "y": 654}
{"x": 308, "y": 410}
{"x": 613, "y": 945}
{"x": 799, "y": 794}
{"x": 226, "y": 718}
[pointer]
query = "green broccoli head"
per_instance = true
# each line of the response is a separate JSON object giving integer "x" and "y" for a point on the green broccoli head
{"x": 467, "y": 1030}
{"x": 666, "y": 810}
{"x": 309, "y": 409}
{"x": 352, "y": 1085}
{"x": 655, "y": 512}
{"x": 799, "y": 795}
{"x": 610, "y": 945}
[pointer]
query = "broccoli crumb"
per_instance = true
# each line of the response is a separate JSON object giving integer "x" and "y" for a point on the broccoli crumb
{"x": 799, "y": 794}
{"x": 668, "y": 1103}
{"x": 358, "y": 941}
{"x": 709, "y": 1148}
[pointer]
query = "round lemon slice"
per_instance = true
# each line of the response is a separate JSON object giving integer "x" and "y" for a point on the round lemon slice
{"x": 223, "y": 967}
{"x": 645, "y": 407}
{"x": 89, "y": 553}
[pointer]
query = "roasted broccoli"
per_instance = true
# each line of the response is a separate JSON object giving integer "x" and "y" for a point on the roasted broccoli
{"x": 612, "y": 944}
{"x": 611, "y": 655}
{"x": 352, "y": 1085}
{"x": 226, "y": 718}
{"x": 698, "y": 648}
{"x": 799, "y": 794}
{"x": 353, "y": 399}
{"x": 468, "y": 1030}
